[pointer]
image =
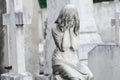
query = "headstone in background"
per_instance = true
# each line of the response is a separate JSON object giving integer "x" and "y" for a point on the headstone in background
{"x": 16, "y": 50}
{"x": 104, "y": 14}
{"x": 104, "y": 62}
{"x": 104, "y": 59}
{"x": 15, "y": 38}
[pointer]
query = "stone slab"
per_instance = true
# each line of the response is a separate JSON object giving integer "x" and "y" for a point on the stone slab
{"x": 104, "y": 13}
{"x": 104, "y": 62}
{"x": 90, "y": 39}
{"x": 14, "y": 22}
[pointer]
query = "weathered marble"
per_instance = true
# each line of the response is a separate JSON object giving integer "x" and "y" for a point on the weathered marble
{"x": 104, "y": 13}
{"x": 15, "y": 76}
{"x": 14, "y": 22}
{"x": 42, "y": 24}
{"x": 65, "y": 61}
{"x": 42, "y": 37}
{"x": 104, "y": 59}
{"x": 53, "y": 9}
{"x": 104, "y": 62}
{"x": 29, "y": 60}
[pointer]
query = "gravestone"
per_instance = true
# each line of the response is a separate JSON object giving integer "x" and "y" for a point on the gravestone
{"x": 104, "y": 62}
{"x": 103, "y": 59}
{"x": 105, "y": 13}
{"x": 14, "y": 21}
{"x": 15, "y": 24}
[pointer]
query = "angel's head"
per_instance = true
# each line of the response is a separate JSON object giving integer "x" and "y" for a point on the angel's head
{"x": 68, "y": 18}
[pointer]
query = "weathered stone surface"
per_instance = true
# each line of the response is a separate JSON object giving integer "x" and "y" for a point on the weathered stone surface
{"x": 54, "y": 7}
{"x": 14, "y": 22}
{"x": 15, "y": 76}
{"x": 2, "y": 54}
{"x": 31, "y": 37}
{"x": 104, "y": 12}
{"x": 65, "y": 61}
{"x": 42, "y": 24}
{"x": 84, "y": 50}
{"x": 104, "y": 62}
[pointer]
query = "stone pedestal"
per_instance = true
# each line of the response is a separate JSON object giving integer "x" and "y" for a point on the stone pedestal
{"x": 14, "y": 76}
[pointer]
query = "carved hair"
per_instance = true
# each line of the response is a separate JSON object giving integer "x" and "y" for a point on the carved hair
{"x": 68, "y": 18}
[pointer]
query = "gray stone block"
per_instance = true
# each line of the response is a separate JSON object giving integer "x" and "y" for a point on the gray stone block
{"x": 17, "y": 76}
{"x": 104, "y": 62}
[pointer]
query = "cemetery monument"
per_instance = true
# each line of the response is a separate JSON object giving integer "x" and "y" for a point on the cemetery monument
{"x": 65, "y": 62}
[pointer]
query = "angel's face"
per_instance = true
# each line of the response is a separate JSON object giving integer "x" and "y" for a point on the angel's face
{"x": 66, "y": 22}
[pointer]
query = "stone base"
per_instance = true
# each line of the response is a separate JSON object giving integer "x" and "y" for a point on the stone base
{"x": 17, "y": 76}
{"x": 43, "y": 77}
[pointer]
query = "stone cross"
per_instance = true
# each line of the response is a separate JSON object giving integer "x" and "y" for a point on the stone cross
{"x": 14, "y": 22}
{"x": 116, "y": 21}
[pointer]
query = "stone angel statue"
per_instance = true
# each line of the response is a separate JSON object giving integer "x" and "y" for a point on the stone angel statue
{"x": 65, "y": 62}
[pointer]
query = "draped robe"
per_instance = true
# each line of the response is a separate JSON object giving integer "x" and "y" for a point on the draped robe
{"x": 65, "y": 62}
